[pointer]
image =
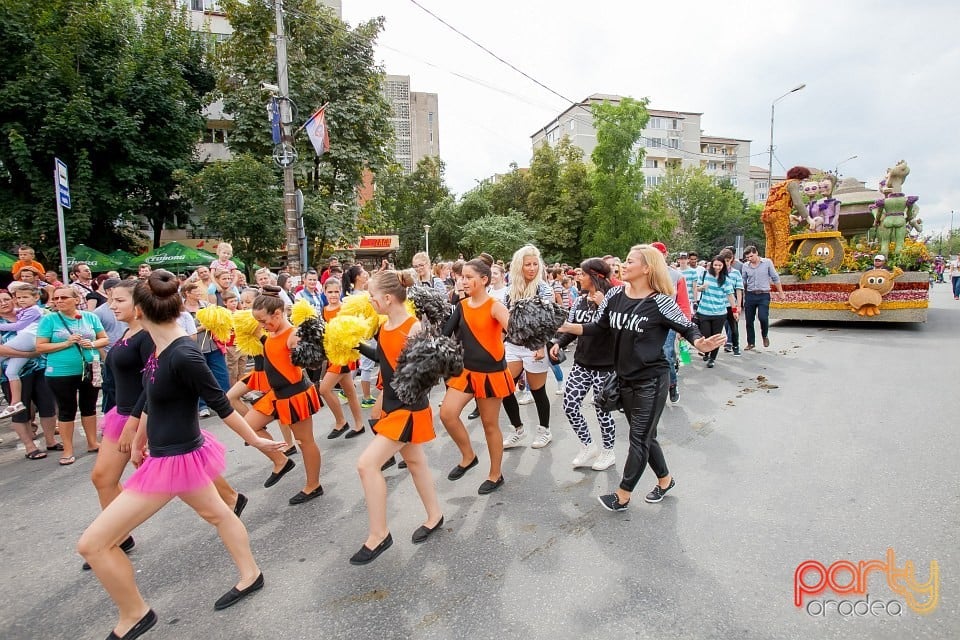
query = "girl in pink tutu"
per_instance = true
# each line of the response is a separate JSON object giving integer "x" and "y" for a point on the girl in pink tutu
{"x": 183, "y": 461}
{"x": 127, "y": 360}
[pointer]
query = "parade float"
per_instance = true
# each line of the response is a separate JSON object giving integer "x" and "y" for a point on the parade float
{"x": 822, "y": 237}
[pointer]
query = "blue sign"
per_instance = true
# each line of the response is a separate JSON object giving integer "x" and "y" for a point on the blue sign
{"x": 63, "y": 184}
{"x": 274, "y": 110}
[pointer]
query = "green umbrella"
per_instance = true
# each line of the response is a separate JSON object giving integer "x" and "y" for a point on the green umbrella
{"x": 172, "y": 256}
{"x": 120, "y": 256}
{"x": 98, "y": 261}
{"x": 6, "y": 262}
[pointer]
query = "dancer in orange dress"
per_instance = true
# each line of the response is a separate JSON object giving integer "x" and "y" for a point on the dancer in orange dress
{"x": 291, "y": 399}
{"x": 401, "y": 427}
{"x": 342, "y": 375}
{"x": 479, "y": 322}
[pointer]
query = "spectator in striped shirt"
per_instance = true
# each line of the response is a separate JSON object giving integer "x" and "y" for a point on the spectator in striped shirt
{"x": 733, "y": 323}
{"x": 716, "y": 294}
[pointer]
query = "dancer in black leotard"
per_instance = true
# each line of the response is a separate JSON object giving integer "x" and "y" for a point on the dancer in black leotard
{"x": 183, "y": 462}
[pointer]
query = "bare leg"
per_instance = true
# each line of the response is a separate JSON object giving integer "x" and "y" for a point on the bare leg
{"x": 287, "y": 434}
{"x": 66, "y": 436}
{"x": 25, "y": 433}
{"x": 226, "y": 492}
{"x": 330, "y": 399}
{"x": 234, "y": 396}
{"x": 453, "y": 403}
{"x": 349, "y": 390}
{"x": 258, "y": 423}
{"x": 209, "y": 506}
{"x": 489, "y": 417}
{"x": 310, "y": 452}
{"x": 107, "y": 471}
{"x": 49, "y": 426}
{"x": 99, "y": 547}
{"x": 89, "y": 424}
{"x": 416, "y": 460}
{"x": 377, "y": 452}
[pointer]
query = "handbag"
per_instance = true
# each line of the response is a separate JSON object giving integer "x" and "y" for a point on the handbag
{"x": 92, "y": 370}
{"x": 609, "y": 397}
{"x": 561, "y": 355}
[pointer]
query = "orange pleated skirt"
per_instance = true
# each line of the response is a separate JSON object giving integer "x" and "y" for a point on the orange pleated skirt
{"x": 289, "y": 410}
{"x": 256, "y": 381}
{"x": 498, "y": 384}
{"x": 404, "y": 425}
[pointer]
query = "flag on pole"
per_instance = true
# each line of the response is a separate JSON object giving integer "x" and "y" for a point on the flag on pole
{"x": 316, "y": 128}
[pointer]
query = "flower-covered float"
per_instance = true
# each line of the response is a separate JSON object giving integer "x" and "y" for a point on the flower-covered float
{"x": 823, "y": 236}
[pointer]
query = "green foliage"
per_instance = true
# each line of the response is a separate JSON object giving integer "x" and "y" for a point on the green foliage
{"x": 328, "y": 62}
{"x": 805, "y": 267}
{"x": 559, "y": 200}
{"x": 620, "y": 216}
{"x": 710, "y": 213}
{"x": 498, "y": 235}
{"x": 114, "y": 94}
{"x": 240, "y": 197}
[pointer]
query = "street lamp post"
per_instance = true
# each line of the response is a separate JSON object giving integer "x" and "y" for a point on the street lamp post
{"x": 772, "y": 106}
{"x": 426, "y": 231}
{"x": 836, "y": 167}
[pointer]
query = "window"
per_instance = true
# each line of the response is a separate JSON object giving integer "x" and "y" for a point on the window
{"x": 674, "y": 143}
{"x": 712, "y": 166}
{"x": 675, "y": 124}
{"x": 653, "y": 181}
{"x": 653, "y": 164}
{"x": 734, "y": 181}
{"x": 655, "y": 123}
{"x": 761, "y": 185}
{"x": 656, "y": 142}
{"x": 573, "y": 124}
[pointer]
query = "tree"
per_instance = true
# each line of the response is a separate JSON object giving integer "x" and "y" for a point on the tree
{"x": 499, "y": 236}
{"x": 559, "y": 199}
{"x": 241, "y": 199}
{"x": 113, "y": 90}
{"x": 619, "y": 217}
{"x": 710, "y": 213}
{"x": 328, "y": 62}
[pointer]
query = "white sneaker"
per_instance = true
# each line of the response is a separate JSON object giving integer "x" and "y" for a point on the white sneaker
{"x": 605, "y": 460}
{"x": 11, "y": 409}
{"x": 525, "y": 397}
{"x": 588, "y": 453}
{"x": 543, "y": 438}
{"x": 204, "y": 413}
{"x": 515, "y": 439}
{"x": 559, "y": 391}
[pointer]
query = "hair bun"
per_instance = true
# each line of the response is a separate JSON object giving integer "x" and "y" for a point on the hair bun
{"x": 271, "y": 290}
{"x": 486, "y": 257}
{"x": 163, "y": 284}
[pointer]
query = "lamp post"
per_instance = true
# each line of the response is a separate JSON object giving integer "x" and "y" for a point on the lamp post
{"x": 426, "y": 231}
{"x": 836, "y": 167}
{"x": 772, "y": 106}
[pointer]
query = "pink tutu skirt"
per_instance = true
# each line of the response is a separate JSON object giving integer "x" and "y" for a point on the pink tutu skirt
{"x": 173, "y": 475}
{"x": 112, "y": 424}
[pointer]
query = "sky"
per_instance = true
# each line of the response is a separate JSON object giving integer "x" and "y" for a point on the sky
{"x": 882, "y": 78}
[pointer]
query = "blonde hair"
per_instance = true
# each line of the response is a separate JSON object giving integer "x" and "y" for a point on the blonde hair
{"x": 421, "y": 255}
{"x": 659, "y": 278}
{"x": 520, "y": 289}
{"x": 226, "y": 245}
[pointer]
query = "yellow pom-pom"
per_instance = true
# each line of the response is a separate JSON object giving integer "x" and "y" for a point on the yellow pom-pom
{"x": 358, "y": 304}
{"x": 411, "y": 309}
{"x": 341, "y": 338}
{"x": 217, "y": 320}
{"x": 248, "y": 332}
{"x": 300, "y": 311}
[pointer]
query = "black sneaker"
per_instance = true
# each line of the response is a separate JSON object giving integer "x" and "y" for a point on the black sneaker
{"x": 728, "y": 348}
{"x": 710, "y": 363}
{"x": 611, "y": 502}
{"x": 474, "y": 414}
{"x": 674, "y": 393}
{"x": 657, "y": 494}
{"x": 736, "y": 351}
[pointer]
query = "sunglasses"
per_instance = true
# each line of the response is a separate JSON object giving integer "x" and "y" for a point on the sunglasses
{"x": 63, "y": 298}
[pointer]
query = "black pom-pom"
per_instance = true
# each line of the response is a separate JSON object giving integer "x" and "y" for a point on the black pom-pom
{"x": 430, "y": 305}
{"x": 425, "y": 359}
{"x": 534, "y": 322}
{"x": 309, "y": 352}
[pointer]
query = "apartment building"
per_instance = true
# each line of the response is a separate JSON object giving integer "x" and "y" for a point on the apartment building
{"x": 414, "y": 117}
{"x": 671, "y": 139}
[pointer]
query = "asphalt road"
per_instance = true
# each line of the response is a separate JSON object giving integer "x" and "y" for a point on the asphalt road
{"x": 846, "y": 447}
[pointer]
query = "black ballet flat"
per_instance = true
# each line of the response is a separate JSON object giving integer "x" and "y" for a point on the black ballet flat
{"x": 354, "y": 434}
{"x": 125, "y": 546}
{"x": 292, "y": 451}
{"x": 421, "y": 534}
{"x": 275, "y": 477}
{"x": 302, "y": 497}
{"x": 402, "y": 465}
{"x": 367, "y": 555}
{"x": 489, "y": 486}
{"x": 336, "y": 433}
{"x": 241, "y": 504}
{"x": 143, "y": 625}
{"x": 457, "y": 472}
{"x": 235, "y": 595}
{"x": 389, "y": 463}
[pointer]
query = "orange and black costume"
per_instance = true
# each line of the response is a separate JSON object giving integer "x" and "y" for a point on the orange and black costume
{"x": 485, "y": 372}
{"x": 256, "y": 380}
{"x": 291, "y": 397}
{"x": 399, "y": 422}
{"x": 328, "y": 315}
